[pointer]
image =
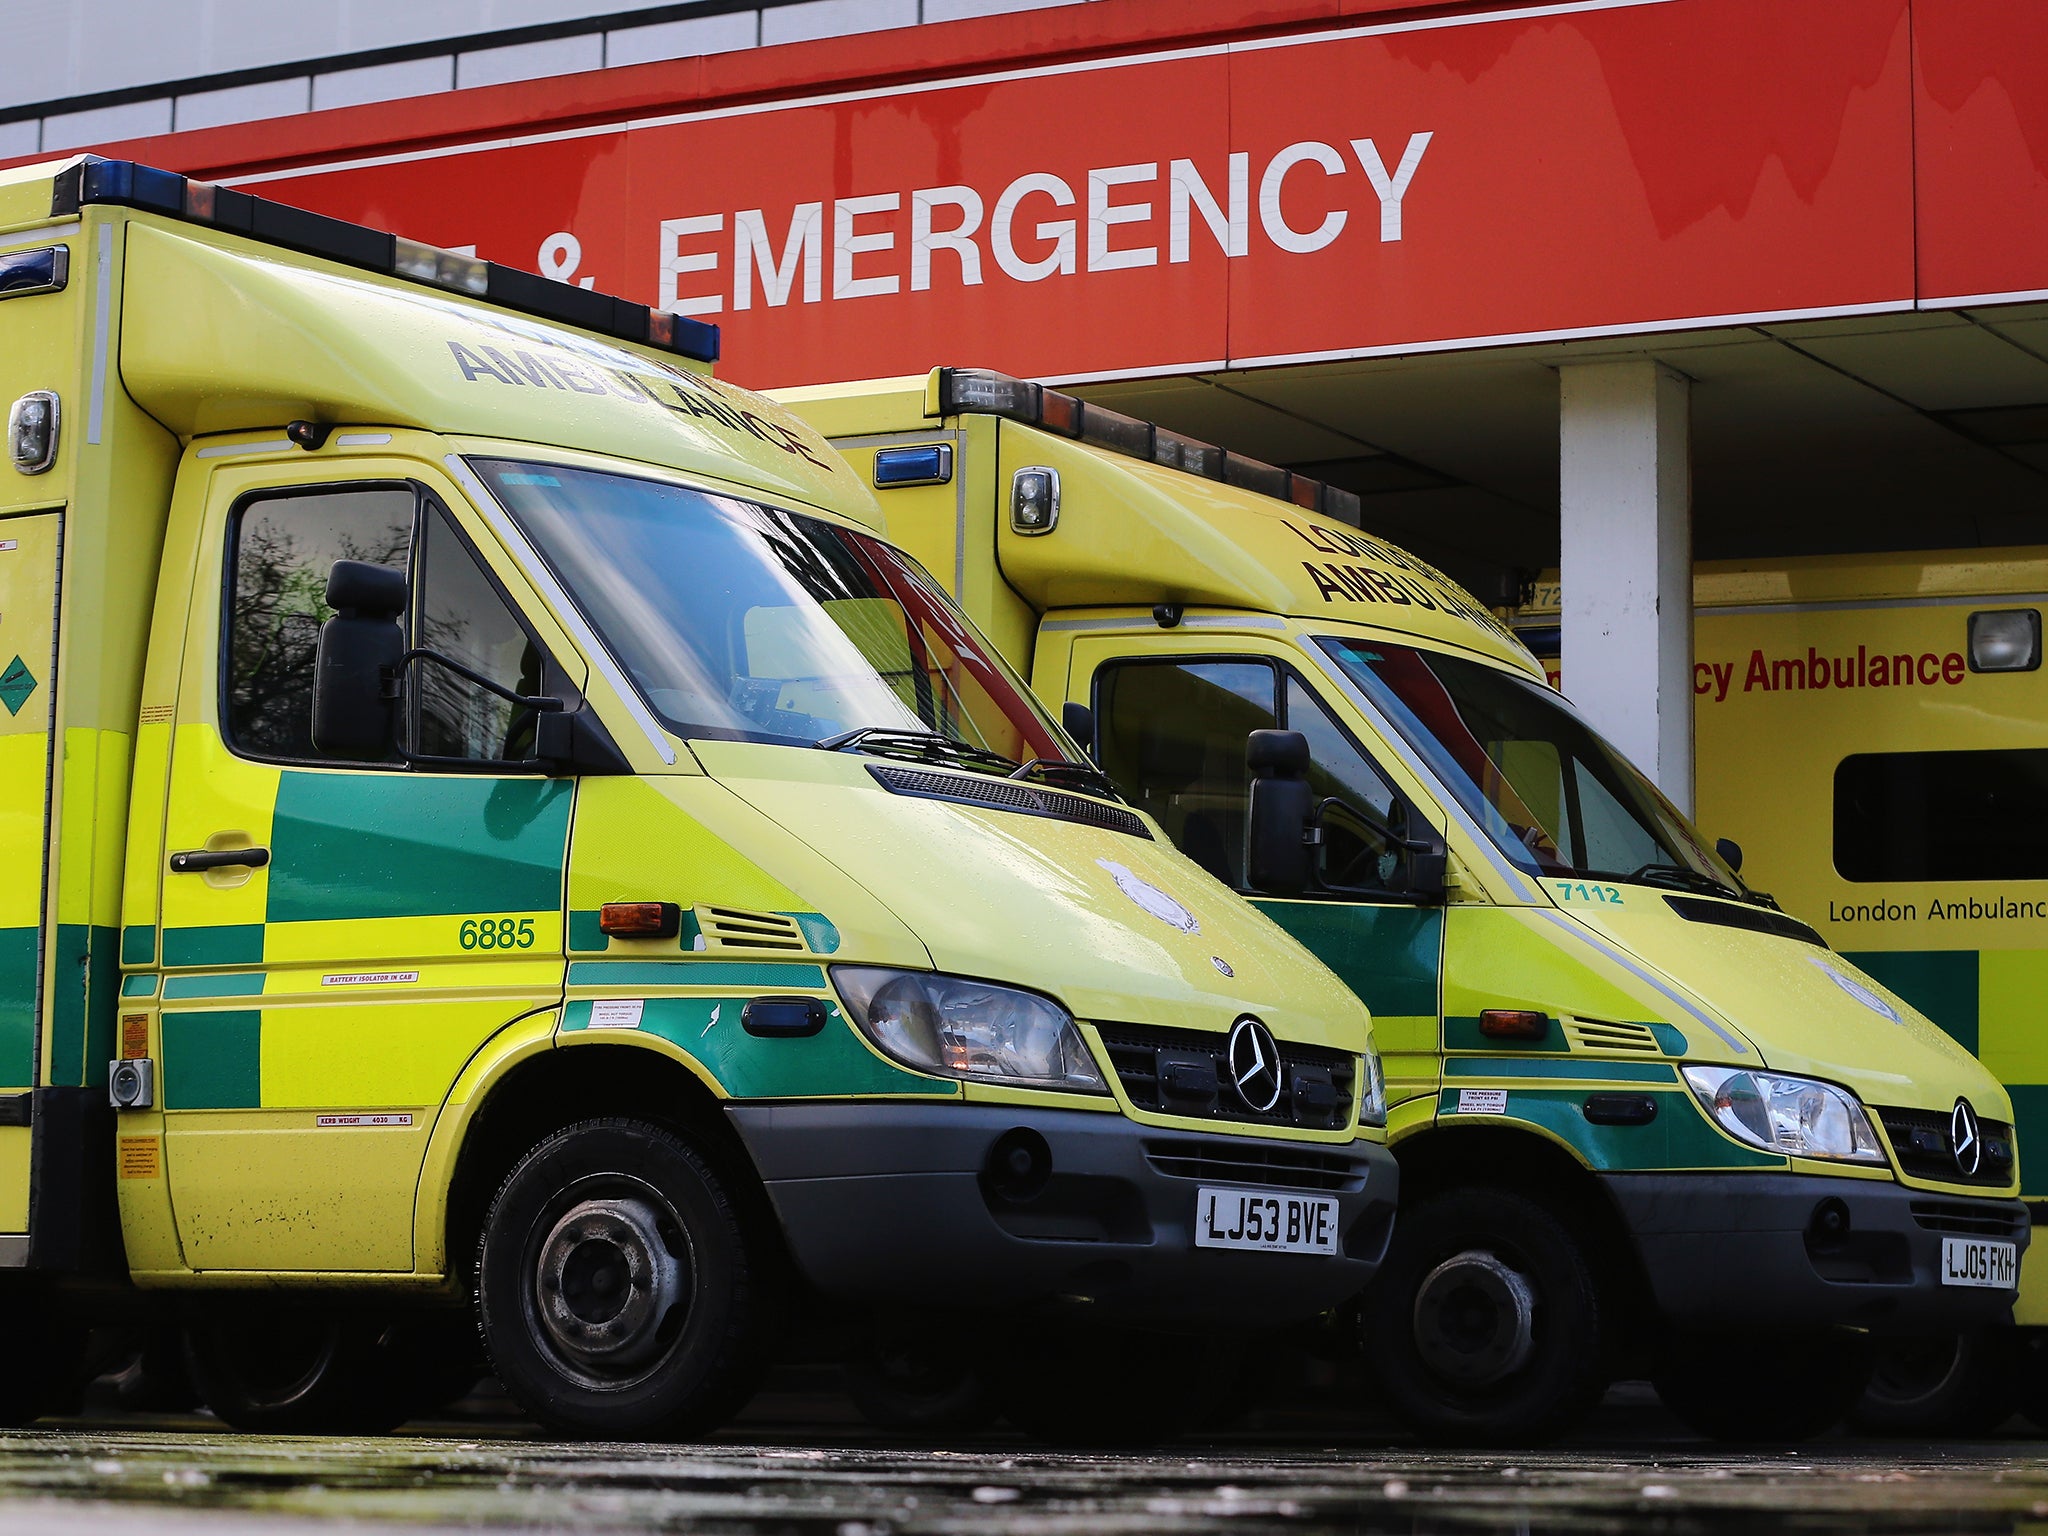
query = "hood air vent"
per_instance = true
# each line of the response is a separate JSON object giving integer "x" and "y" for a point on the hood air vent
{"x": 1008, "y": 795}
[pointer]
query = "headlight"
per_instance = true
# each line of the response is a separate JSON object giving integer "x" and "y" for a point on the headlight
{"x": 1372, "y": 1098}
{"x": 969, "y": 1029}
{"x": 1793, "y": 1115}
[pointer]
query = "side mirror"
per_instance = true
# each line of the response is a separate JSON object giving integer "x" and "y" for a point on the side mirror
{"x": 1730, "y": 851}
{"x": 1279, "y": 857}
{"x": 1079, "y": 720}
{"x": 359, "y": 647}
{"x": 1428, "y": 868}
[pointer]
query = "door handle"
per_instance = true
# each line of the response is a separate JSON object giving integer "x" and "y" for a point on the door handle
{"x": 199, "y": 859}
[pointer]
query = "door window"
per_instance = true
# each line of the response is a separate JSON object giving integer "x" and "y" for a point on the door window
{"x": 1173, "y": 741}
{"x": 461, "y": 615}
{"x": 282, "y": 547}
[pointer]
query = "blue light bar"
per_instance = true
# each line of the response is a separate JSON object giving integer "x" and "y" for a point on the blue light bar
{"x": 125, "y": 184}
{"x": 926, "y": 464}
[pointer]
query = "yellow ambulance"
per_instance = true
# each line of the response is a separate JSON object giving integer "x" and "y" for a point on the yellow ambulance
{"x": 491, "y": 825}
{"x": 1906, "y": 815}
{"x": 1646, "y": 1120}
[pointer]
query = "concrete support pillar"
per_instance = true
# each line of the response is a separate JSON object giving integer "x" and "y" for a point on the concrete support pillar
{"x": 1625, "y": 462}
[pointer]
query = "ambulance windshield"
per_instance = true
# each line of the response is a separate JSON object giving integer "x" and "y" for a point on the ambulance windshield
{"x": 746, "y": 622}
{"x": 1554, "y": 797}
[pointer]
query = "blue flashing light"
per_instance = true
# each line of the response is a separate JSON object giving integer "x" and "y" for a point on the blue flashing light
{"x": 926, "y": 464}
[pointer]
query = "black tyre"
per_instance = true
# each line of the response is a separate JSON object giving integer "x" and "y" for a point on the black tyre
{"x": 1759, "y": 1390}
{"x": 1485, "y": 1324}
{"x": 616, "y": 1289}
{"x": 1966, "y": 1386}
{"x": 151, "y": 1376}
{"x": 45, "y": 1370}
{"x": 269, "y": 1369}
{"x": 1106, "y": 1389}
{"x": 919, "y": 1385}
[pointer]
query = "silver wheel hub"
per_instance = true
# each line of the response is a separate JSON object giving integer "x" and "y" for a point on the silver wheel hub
{"x": 1475, "y": 1319}
{"x": 608, "y": 1280}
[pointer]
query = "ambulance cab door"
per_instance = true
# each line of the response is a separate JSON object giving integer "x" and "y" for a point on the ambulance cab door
{"x": 340, "y": 936}
{"x": 1171, "y": 724}
{"x": 28, "y": 627}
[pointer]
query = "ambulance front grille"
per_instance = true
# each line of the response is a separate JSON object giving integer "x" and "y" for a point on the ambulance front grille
{"x": 1597, "y": 1035}
{"x": 730, "y": 928}
{"x": 1920, "y": 1138}
{"x": 1260, "y": 1164}
{"x": 1976, "y": 1218}
{"x": 1187, "y": 1072}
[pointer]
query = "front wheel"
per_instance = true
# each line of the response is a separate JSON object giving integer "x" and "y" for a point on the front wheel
{"x": 615, "y": 1286}
{"x": 272, "y": 1369}
{"x": 1964, "y": 1385}
{"x": 1485, "y": 1325}
{"x": 1761, "y": 1390}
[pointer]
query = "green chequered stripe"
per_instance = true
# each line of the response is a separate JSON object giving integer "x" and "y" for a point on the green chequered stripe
{"x": 18, "y": 952}
{"x": 138, "y": 986}
{"x": 353, "y": 845}
{"x": 1578, "y": 1069}
{"x": 213, "y": 1060}
{"x": 1679, "y": 1137}
{"x": 1389, "y": 955}
{"x": 239, "y": 984}
{"x": 765, "y": 975}
{"x": 226, "y": 944}
{"x": 138, "y": 944}
{"x": 829, "y": 1064}
{"x": 85, "y": 986}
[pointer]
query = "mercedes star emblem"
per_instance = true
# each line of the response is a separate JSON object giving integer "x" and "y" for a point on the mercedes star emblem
{"x": 1964, "y": 1138}
{"x": 1254, "y": 1065}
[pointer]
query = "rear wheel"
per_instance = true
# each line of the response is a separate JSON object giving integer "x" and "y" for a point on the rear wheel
{"x": 1762, "y": 1390}
{"x": 45, "y": 1370}
{"x": 1485, "y": 1325}
{"x": 1966, "y": 1385}
{"x": 1114, "y": 1389}
{"x": 616, "y": 1289}
{"x": 269, "y": 1369}
{"x": 905, "y": 1380}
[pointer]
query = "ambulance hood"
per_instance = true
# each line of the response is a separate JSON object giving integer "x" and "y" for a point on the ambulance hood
{"x": 1118, "y": 926}
{"x": 1804, "y": 1009}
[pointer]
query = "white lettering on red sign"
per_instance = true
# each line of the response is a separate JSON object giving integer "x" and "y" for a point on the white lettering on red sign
{"x": 1026, "y": 238}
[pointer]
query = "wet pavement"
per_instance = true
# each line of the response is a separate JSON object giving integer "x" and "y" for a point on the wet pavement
{"x": 1635, "y": 1472}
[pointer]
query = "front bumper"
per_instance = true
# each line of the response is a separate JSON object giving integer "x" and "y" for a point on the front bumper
{"x": 1748, "y": 1250}
{"x": 896, "y": 1202}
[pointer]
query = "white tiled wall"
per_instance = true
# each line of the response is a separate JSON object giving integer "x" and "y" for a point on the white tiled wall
{"x": 67, "y": 49}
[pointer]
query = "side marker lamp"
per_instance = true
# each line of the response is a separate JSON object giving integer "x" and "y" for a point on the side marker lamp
{"x": 640, "y": 919}
{"x": 1513, "y": 1024}
{"x": 926, "y": 464}
{"x": 32, "y": 431}
{"x": 2005, "y": 640}
{"x": 1034, "y": 501}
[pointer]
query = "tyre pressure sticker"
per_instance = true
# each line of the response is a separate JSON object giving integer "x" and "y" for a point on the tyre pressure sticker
{"x": 1482, "y": 1101}
{"x": 617, "y": 1013}
{"x": 1150, "y": 897}
{"x": 1856, "y": 989}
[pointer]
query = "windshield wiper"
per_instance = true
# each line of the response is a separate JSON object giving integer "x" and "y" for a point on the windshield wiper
{"x": 917, "y": 746}
{"x": 1065, "y": 775}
